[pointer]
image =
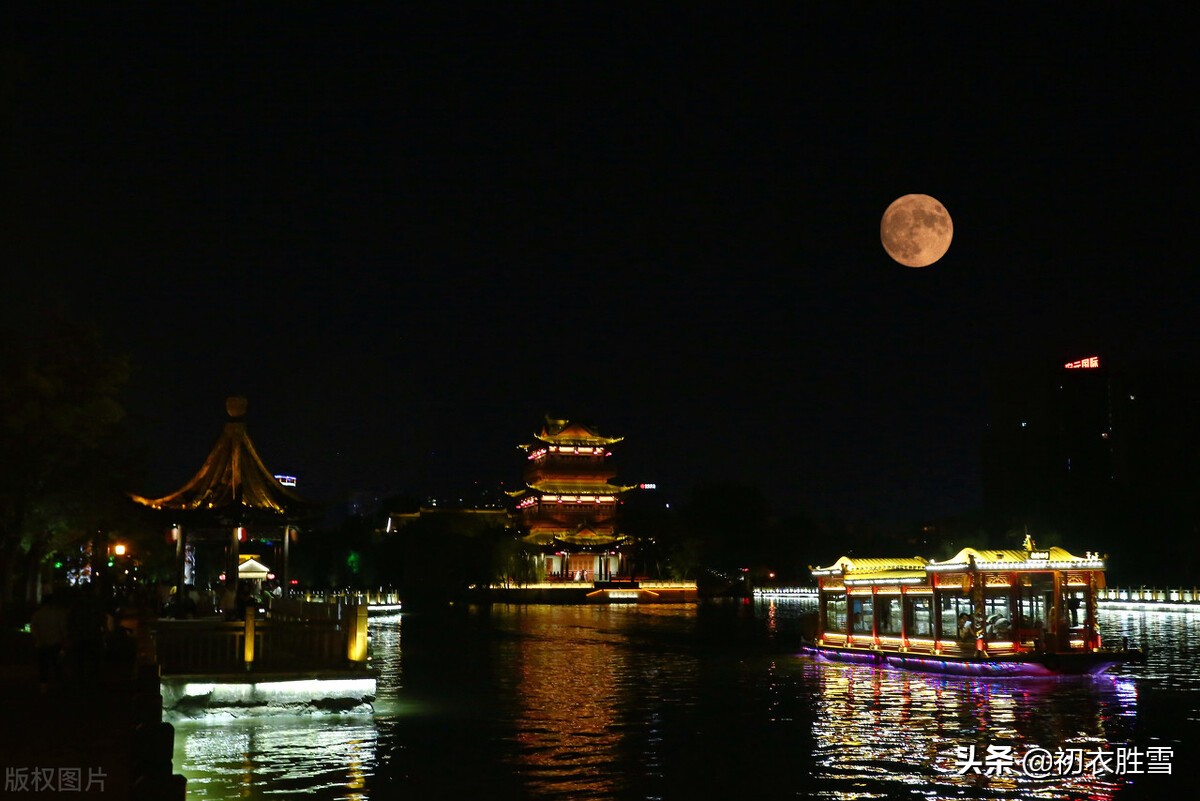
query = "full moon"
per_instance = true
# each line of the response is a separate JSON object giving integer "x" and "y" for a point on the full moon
{"x": 916, "y": 230}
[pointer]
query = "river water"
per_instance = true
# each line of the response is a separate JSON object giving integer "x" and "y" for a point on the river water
{"x": 709, "y": 701}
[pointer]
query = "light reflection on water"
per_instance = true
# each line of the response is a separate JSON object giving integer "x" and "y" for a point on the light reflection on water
{"x": 878, "y": 728}
{"x": 277, "y": 757}
{"x": 648, "y": 702}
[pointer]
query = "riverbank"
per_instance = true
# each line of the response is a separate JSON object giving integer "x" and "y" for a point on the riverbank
{"x": 607, "y": 592}
{"x": 94, "y": 732}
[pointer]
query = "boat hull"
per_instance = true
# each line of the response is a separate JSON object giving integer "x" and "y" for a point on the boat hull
{"x": 1007, "y": 666}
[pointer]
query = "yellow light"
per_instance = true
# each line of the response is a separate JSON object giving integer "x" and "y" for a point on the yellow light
{"x": 119, "y": 550}
{"x": 248, "y": 645}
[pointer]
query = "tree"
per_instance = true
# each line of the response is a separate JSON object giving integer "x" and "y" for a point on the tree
{"x": 62, "y": 458}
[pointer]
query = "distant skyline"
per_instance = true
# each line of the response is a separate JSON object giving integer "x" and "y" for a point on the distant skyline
{"x": 406, "y": 235}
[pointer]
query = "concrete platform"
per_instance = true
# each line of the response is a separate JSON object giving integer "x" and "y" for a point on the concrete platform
{"x": 231, "y": 695}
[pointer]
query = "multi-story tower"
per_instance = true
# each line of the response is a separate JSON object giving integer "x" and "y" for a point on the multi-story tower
{"x": 568, "y": 508}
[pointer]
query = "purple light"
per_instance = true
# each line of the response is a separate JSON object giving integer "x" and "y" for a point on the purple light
{"x": 999, "y": 669}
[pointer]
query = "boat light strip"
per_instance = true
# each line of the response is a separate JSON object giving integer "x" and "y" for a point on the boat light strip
{"x": 1029, "y": 564}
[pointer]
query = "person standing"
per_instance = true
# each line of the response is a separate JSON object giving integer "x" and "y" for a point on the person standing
{"x": 87, "y": 626}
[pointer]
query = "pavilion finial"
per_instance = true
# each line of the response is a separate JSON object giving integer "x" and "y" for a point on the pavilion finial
{"x": 235, "y": 407}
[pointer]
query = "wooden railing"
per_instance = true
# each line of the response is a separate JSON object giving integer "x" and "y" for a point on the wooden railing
{"x": 199, "y": 646}
{"x": 311, "y": 638}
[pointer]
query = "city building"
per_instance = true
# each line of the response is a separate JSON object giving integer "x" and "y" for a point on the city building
{"x": 1050, "y": 447}
{"x": 1095, "y": 448}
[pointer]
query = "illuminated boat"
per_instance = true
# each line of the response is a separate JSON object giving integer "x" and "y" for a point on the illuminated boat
{"x": 1028, "y": 612}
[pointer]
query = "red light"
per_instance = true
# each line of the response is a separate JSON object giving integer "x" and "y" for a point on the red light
{"x": 294, "y": 581}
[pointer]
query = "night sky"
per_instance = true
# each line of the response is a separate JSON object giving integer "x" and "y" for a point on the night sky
{"x": 406, "y": 238}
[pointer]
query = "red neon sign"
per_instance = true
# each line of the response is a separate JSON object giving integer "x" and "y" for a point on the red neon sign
{"x": 1090, "y": 363}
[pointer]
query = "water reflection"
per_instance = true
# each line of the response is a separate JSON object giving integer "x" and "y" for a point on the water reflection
{"x": 882, "y": 731}
{"x": 669, "y": 702}
{"x": 277, "y": 757}
{"x": 565, "y": 732}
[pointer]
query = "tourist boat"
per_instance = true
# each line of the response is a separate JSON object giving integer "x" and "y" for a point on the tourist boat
{"x": 1027, "y": 612}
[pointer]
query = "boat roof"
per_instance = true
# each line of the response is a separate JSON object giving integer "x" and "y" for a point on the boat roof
{"x": 855, "y": 565}
{"x": 1019, "y": 559}
{"x": 893, "y": 568}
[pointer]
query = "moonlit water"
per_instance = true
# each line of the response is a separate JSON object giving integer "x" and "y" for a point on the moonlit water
{"x": 646, "y": 702}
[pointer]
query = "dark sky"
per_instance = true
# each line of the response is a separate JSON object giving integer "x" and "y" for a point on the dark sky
{"x": 406, "y": 238}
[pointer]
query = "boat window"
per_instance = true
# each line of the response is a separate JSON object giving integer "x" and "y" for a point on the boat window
{"x": 835, "y": 612}
{"x": 1033, "y": 611}
{"x": 889, "y": 616}
{"x": 997, "y": 614}
{"x": 920, "y": 616}
{"x": 1076, "y": 607}
{"x": 862, "y": 613}
{"x": 954, "y": 606}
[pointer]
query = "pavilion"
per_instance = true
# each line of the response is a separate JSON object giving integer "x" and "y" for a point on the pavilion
{"x": 232, "y": 494}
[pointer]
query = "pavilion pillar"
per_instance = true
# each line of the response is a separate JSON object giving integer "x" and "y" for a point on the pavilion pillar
{"x": 231, "y": 571}
{"x": 180, "y": 557}
{"x": 285, "y": 575}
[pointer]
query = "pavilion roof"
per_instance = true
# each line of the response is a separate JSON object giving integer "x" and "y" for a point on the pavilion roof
{"x": 251, "y": 568}
{"x": 233, "y": 483}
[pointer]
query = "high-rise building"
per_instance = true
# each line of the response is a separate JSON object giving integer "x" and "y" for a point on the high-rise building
{"x": 1093, "y": 449}
{"x": 1050, "y": 448}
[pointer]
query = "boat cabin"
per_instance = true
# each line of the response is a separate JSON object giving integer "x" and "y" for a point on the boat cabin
{"x": 977, "y": 604}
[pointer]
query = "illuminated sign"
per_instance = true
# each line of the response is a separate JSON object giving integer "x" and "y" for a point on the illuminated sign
{"x": 1039, "y": 555}
{"x": 287, "y": 481}
{"x": 1090, "y": 363}
{"x": 647, "y": 486}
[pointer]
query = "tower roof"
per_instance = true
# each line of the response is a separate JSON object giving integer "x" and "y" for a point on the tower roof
{"x": 233, "y": 484}
{"x": 572, "y": 432}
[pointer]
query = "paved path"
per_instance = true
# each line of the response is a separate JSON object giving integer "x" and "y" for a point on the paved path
{"x": 89, "y": 734}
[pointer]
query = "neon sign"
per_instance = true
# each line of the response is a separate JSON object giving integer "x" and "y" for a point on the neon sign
{"x": 1090, "y": 363}
{"x": 287, "y": 481}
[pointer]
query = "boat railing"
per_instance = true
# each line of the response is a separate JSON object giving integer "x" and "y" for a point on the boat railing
{"x": 1179, "y": 595}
